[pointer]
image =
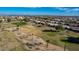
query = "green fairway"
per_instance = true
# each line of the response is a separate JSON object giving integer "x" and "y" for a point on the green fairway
{"x": 55, "y": 38}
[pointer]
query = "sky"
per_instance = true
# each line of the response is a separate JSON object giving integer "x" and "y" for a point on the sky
{"x": 59, "y": 11}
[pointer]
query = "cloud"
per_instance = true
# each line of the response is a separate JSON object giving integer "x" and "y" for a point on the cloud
{"x": 61, "y": 8}
{"x": 68, "y": 9}
{"x": 73, "y": 10}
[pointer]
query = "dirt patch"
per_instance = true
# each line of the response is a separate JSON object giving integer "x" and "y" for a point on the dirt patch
{"x": 31, "y": 41}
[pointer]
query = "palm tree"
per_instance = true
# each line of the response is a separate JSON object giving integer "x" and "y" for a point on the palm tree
{"x": 65, "y": 45}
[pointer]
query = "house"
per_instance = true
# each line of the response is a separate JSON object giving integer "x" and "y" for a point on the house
{"x": 52, "y": 25}
{"x": 66, "y": 26}
{"x": 74, "y": 29}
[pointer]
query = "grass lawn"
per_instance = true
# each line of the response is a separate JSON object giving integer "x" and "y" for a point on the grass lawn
{"x": 51, "y": 33}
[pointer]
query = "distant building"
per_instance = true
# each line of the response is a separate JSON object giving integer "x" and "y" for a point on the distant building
{"x": 74, "y": 29}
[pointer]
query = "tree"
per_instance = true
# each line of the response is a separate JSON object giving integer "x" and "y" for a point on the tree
{"x": 20, "y": 23}
{"x": 60, "y": 27}
{"x": 25, "y": 19}
{"x": 65, "y": 45}
{"x": 0, "y": 21}
{"x": 47, "y": 43}
{"x": 8, "y": 20}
